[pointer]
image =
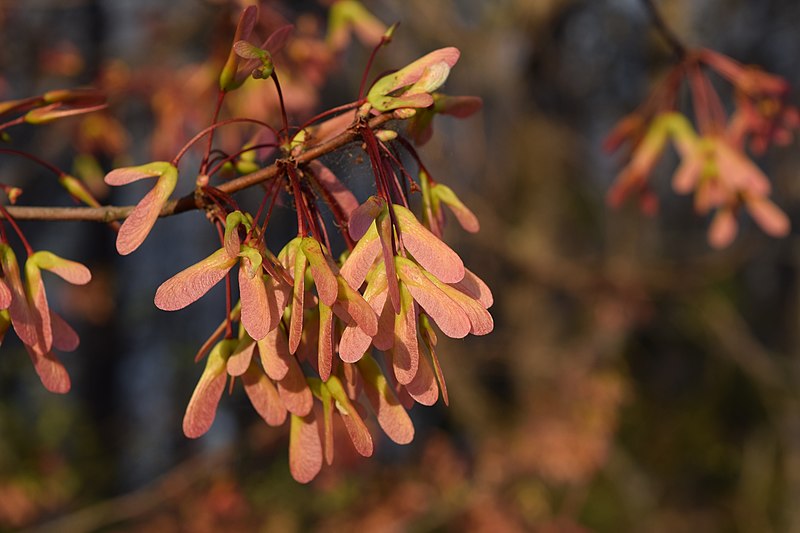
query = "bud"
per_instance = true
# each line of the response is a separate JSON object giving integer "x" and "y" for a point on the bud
{"x": 386, "y": 135}
{"x": 76, "y": 189}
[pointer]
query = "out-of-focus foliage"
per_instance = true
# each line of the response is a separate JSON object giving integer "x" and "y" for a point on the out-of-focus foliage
{"x": 636, "y": 380}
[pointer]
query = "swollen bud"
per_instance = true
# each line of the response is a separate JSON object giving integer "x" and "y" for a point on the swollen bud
{"x": 386, "y": 135}
{"x": 76, "y": 189}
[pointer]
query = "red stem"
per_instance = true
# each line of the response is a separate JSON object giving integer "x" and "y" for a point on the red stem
{"x": 301, "y": 227}
{"x": 204, "y": 164}
{"x": 717, "y": 112}
{"x": 413, "y": 153}
{"x": 285, "y": 120}
{"x": 28, "y": 249}
{"x": 362, "y": 87}
{"x": 275, "y": 192}
{"x": 329, "y": 112}
{"x": 24, "y": 105}
{"x": 31, "y": 157}
{"x": 338, "y": 214}
{"x": 401, "y": 191}
{"x": 228, "y": 325}
{"x": 219, "y": 164}
{"x": 323, "y": 230}
{"x": 15, "y": 122}
{"x": 370, "y": 145}
{"x": 700, "y": 100}
{"x": 214, "y": 126}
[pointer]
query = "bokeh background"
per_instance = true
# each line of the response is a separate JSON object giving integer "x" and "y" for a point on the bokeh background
{"x": 636, "y": 380}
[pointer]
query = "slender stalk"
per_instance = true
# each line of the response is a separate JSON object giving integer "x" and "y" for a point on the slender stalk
{"x": 219, "y": 163}
{"x": 204, "y": 164}
{"x": 329, "y": 112}
{"x": 228, "y": 325}
{"x": 284, "y": 119}
{"x": 211, "y": 128}
{"x": 262, "y": 205}
{"x": 338, "y": 215}
{"x": 14, "y": 122}
{"x": 307, "y": 208}
{"x": 23, "y": 105}
{"x": 363, "y": 85}
{"x": 31, "y": 157}
{"x": 716, "y": 109}
{"x": 18, "y": 231}
{"x": 275, "y": 191}
{"x": 702, "y": 102}
{"x": 401, "y": 191}
{"x": 413, "y": 153}
{"x": 298, "y": 200}
{"x": 374, "y": 156}
{"x": 323, "y": 230}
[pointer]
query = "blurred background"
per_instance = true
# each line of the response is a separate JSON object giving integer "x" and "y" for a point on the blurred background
{"x": 636, "y": 380}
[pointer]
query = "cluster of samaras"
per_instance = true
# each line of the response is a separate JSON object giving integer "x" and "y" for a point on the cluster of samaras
{"x": 312, "y": 337}
{"x": 308, "y": 324}
{"x": 715, "y": 165}
{"x": 23, "y": 300}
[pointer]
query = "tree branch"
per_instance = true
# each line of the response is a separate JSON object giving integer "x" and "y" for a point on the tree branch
{"x": 190, "y": 201}
{"x": 678, "y": 48}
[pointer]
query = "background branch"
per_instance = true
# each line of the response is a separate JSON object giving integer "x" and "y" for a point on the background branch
{"x": 678, "y": 48}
